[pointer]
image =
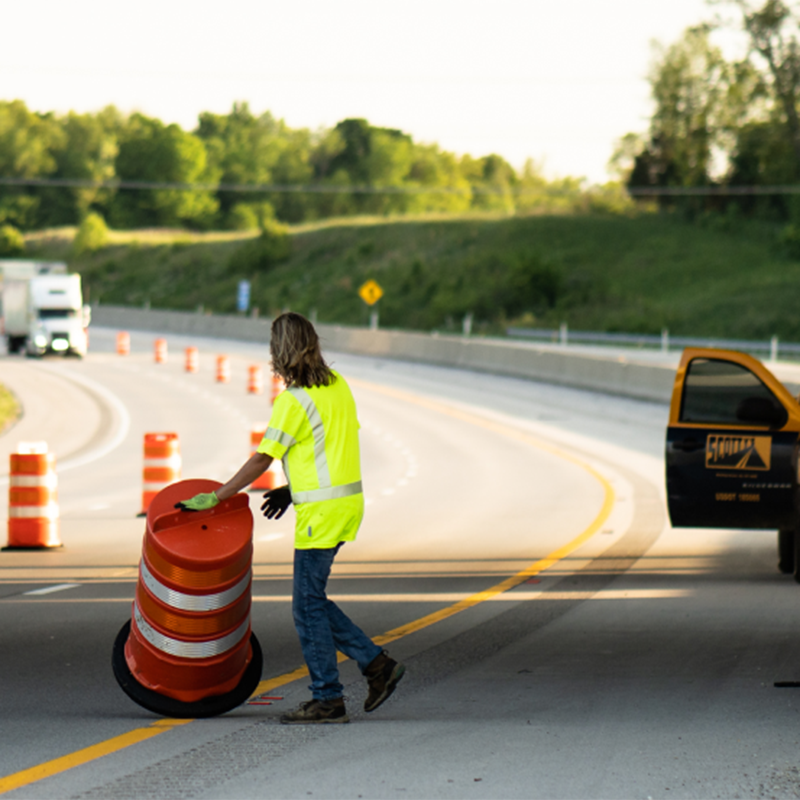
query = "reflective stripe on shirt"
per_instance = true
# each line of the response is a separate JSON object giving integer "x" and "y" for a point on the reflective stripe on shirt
{"x": 318, "y": 430}
{"x": 329, "y": 493}
{"x": 280, "y": 437}
{"x": 326, "y": 489}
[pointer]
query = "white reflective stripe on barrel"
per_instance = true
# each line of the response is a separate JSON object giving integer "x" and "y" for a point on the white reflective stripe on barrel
{"x": 48, "y": 481}
{"x": 171, "y": 461}
{"x": 192, "y": 602}
{"x": 176, "y": 647}
{"x": 154, "y": 486}
{"x": 50, "y": 511}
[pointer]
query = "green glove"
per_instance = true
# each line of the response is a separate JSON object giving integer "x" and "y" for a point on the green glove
{"x": 200, "y": 502}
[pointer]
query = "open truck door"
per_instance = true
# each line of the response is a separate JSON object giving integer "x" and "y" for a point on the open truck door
{"x": 732, "y": 449}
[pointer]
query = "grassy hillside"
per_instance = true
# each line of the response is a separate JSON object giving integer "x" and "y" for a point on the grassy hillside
{"x": 9, "y": 408}
{"x": 596, "y": 272}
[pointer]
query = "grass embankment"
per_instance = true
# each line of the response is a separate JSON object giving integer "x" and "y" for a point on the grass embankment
{"x": 9, "y": 409}
{"x": 594, "y": 272}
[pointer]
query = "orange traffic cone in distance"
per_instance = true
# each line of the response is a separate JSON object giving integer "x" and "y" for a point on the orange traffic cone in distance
{"x": 192, "y": 359}
{"x": 160, "y": 351}
{"x": 277, "y": 386}
{"x": 123, "y": 343}
{"x": 162, "y": 465}
{"x": 33, "y": 498}
{"x": 255, "y": 379}
{"x": 223, "y": 369}
{"x": 267, "y": 480}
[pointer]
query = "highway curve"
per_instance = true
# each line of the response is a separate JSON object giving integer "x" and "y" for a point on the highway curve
{"x": 561, "y": 639}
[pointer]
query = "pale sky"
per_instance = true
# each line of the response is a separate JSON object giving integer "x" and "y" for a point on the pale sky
{"x": 554, "y": 80}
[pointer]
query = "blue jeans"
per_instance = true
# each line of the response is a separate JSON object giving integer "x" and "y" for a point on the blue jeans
{"x": 322, "y": 626}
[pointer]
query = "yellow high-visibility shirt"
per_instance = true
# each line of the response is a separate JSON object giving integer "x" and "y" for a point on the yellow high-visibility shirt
{"x": 314, "y": 432}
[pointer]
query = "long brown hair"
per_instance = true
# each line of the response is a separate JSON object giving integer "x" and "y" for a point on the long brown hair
{"x": 296, "y": 355}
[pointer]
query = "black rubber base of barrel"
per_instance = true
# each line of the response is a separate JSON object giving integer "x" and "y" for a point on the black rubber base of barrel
{"x": 21, "y": 547}
{"x": 169, "y": 707}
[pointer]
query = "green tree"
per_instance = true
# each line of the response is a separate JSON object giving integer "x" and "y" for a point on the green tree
{"x": 12, "y": 242}
{"x": 371, "y": 159}
{"x": 690, "y": 82}
{"x": 493, "y": 181}
{"x": 152, "y": 151}
{"x": 431, "y": 167}
{"x": 92, "y": 234}
{"x": 245, "y": 149}
{"x": 27, "y": 141}
{"x": 87, "y": 150}
{"x": 772, "y": 29}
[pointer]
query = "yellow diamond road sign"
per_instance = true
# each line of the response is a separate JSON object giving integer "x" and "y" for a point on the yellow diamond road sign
{"x": 370, "y": 292}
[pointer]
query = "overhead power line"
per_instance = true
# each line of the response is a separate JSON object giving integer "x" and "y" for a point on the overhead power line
{"x": 251, "y": 188}
{"x": 323, "y": 188}
{"x": 709, "y": 191}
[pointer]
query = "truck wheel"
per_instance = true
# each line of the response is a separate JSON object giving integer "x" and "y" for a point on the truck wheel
{"x": 786, "y": 551}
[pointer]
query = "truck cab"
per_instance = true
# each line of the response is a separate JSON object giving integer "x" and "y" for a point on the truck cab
{"x": 45, "y": 314}
{"x": 732, "y": 449}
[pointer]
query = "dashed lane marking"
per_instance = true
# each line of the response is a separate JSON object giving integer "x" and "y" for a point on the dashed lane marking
{"x": 50, "y": 589}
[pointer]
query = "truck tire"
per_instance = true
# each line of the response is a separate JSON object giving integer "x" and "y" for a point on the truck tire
{"x": 786, "y": 551}
{"x": 15, "y": 343}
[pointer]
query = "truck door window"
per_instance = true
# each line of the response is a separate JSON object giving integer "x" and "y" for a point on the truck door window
{"x": 725, "y": 393}
{"x": 56, "y": 313}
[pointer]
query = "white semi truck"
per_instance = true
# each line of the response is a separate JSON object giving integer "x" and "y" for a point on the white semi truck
{"x": 45, "y": 314}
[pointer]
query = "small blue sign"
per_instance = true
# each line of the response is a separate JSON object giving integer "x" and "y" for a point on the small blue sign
{"x": 243, "y": 296}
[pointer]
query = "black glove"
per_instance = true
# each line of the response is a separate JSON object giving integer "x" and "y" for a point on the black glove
{"x": 276, "y": 501}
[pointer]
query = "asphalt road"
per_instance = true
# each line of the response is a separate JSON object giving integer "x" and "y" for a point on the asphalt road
{"x": 632, "y": 660}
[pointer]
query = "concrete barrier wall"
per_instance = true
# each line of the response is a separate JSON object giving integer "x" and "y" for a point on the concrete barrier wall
{"x": 613, "y": 375}
{"x": 143, "y": 319}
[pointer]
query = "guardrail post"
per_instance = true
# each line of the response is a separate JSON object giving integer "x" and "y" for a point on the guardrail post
{"x": 563, "y": 334}
{"x": 466, "y": 325}
{"x": 773, "y": 349}
{"x": 664, "y": 340}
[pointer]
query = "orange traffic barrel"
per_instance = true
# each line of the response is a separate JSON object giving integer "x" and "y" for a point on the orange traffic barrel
{"x": 277, "y": 386}
{"x": 273, "y": 477}
{"x": 162, "y": 465}
{"x": 123, "y": 343}
{"x": 32, "y": 498}
{"x": 188, "y": 649}
{"x": 192, "y": 359}
{"x": 255, "y": 379}
{"x": 160, "y": 351}
{"x": 223, "y": 369}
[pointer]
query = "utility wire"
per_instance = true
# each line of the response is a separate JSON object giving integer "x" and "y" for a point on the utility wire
{"x": 322, "y": 188}
{"x": 245, "y": 188}
{"x": 709, "y": 191}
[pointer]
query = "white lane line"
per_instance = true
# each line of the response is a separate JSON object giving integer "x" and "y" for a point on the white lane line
{"x": 111, "y": 399}
{"x": 50, "y": 589}
{"x": 271, "y": 537}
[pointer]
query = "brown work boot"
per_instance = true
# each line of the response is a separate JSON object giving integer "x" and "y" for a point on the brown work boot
{"x": 315, "y": 712}
{"x": 383, "y": 674}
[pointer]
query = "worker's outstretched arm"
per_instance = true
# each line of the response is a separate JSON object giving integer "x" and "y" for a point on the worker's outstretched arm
{"x": 251, "y": 469}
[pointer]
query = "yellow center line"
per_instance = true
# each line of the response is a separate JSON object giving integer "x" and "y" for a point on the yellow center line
{"x": 57, "y": 765}
{"x": 50, "y": 768}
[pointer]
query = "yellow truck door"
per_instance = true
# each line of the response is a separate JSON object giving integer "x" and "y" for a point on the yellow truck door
{"x": 732, "y": 444}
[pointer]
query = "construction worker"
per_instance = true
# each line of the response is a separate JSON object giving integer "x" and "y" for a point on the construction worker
{"x": 314, "y": 430}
